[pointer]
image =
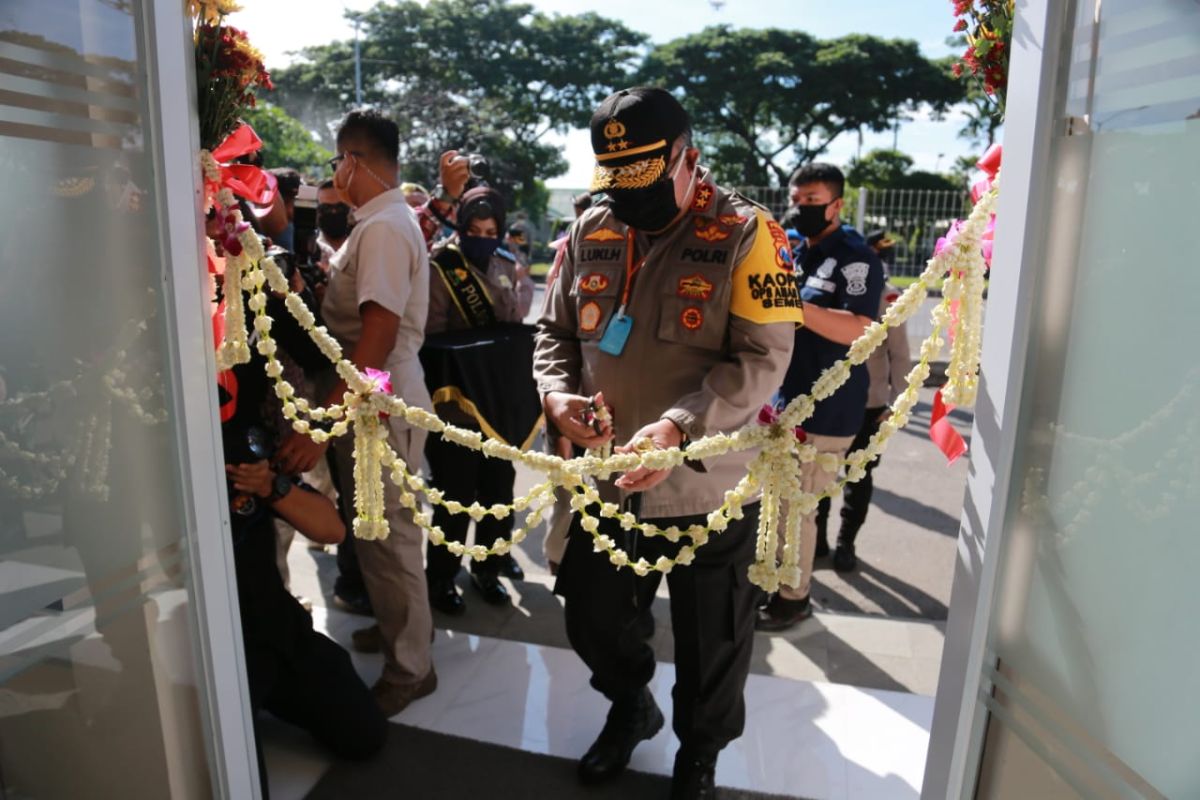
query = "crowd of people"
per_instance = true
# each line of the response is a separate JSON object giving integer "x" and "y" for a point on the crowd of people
{"x": 678, "y": 306}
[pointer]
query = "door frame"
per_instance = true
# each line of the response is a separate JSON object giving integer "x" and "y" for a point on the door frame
{"x": 224, "y": 695}
{"x": 1040, "y": 30}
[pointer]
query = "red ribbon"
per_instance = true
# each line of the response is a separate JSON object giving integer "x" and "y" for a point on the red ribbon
{"x": 244, "y": 180}
{"x": 943, "y": 434}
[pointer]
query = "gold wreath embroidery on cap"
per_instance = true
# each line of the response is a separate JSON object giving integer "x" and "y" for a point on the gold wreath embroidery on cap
{"x": 637, "y": 175}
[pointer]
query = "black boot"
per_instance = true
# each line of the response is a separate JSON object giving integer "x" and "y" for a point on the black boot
{"x": 629, "y": 722}
{"x": 694, "y": 777}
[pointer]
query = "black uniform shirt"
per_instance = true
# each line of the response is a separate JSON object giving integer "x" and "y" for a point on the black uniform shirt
{"x": 839, "y": 272}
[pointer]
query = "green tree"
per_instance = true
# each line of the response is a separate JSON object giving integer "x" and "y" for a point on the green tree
{"x": 892, "y": 169}
{"x": 487, "y": 76}
{"x": 764, "y": 100}
{"x": 286, "y": 142}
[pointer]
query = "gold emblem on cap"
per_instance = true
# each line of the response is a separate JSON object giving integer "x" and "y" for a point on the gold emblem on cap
{"x": 614, "y": 129}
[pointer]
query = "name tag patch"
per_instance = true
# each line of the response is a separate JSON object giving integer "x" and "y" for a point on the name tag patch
{"x": 600, "y": 254}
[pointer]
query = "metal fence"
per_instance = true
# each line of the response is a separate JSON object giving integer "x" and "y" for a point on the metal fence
{"x": 914, "y": 218}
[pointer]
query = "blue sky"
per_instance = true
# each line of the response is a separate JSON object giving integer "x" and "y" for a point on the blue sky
{"x": 277, "y": 27}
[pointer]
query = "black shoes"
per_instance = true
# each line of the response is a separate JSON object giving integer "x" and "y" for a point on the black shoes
{"x": 844, "y": 559}
{"x": 444, "y": 597}
{"x": 779, "y": 614}
{"x": 629, "y": 723}
{"x": 694, "y": 778}
{"x": 491, "y": 588}
{"x": 509, "y": 567}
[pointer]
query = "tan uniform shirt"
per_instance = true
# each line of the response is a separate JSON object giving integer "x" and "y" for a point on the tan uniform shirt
{"x": 888, "y": 366}
{"x": 507, "y": 293}
{"x": 714, "y": 310}
{"x": 384, "y": 261}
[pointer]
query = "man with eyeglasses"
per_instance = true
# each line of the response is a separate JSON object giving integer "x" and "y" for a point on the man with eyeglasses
{"x": 375, "y": 305}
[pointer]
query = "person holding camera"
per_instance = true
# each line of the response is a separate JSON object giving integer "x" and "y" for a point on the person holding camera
{"x": 475, "y": 285}
{"x": 297, "y": 674}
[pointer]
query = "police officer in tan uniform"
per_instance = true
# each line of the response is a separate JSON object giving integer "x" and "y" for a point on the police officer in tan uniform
{"x": 675, "y": 305}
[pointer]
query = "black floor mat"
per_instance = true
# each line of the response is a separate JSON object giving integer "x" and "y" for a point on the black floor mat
{"x": 422, "y": 765}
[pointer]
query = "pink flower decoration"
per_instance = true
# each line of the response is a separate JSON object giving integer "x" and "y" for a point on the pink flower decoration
{"x": 768, "y": 415}
{"x": 382, "y": 380}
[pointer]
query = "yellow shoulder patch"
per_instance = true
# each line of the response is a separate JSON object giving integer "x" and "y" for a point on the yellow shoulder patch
{"x": 765, "y": 286}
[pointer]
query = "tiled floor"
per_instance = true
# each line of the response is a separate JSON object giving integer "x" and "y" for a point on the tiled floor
{"x": 805, "y": 738}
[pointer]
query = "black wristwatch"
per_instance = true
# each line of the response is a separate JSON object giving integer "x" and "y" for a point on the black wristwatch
{"x": 280, "y": 488}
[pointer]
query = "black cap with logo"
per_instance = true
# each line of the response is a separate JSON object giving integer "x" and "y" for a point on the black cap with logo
{"x": 632, "y": 132}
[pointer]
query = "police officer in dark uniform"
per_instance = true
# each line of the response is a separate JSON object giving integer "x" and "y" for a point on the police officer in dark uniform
{"x": 841, "y": 280}
{"x": 676, "y": 301}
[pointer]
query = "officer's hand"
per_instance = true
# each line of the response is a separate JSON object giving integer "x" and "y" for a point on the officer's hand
{"x": 664, "y": 434}
{"x": 567, "y": 412}
{"x": 254, "y": 478}
{"x": 455, "y": 171}
{"x": 298, "y": 454}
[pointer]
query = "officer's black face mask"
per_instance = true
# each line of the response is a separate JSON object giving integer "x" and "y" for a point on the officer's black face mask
{"x": 651, "y": 209}
{"x": 810, "y": 220}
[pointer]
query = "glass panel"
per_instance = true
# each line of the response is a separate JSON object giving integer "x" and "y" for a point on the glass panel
{"x": 1094, "y": 629}
{"x": 99, "y": 694}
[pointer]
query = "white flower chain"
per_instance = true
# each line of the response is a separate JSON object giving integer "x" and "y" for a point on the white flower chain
{"x": 773, "y": 469}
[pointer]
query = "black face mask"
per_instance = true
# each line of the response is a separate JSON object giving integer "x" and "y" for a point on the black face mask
{"x": 478, "y": 249}
{"x": 650, "y": 209}
{"x": 333, "y": 220}
{"x": 810, "y": 220}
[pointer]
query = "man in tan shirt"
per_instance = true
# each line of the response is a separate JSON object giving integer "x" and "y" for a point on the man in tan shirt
{"x": 375, "y": 305}
{"x": 675, "y": 301}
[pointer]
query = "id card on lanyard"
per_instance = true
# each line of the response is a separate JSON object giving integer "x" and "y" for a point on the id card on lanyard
{"x": 616, "y": 333}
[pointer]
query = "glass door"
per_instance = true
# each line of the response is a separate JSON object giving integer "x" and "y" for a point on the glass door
{"x": 106, "y": 669}
{"x": 1091, "y": 641}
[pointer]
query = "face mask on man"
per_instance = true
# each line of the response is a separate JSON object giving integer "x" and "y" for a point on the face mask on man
{"x": 333, "y": 220}
{"x": 810, "y": 220}
{"x": 652, "y": 209}
{"x": 478, "y": 249}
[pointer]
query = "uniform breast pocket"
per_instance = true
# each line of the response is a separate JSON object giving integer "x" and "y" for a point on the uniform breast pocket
{"x": 695, "y": 308}
{"x": 595, "y": 293}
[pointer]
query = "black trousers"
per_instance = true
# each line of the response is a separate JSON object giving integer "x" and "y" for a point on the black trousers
{"x": 315, "y": 688}
{"x": 856, "y": 497}
{"x": 609, "y": 624}
{"x": 466, "y": 476}
{"x": 349, "y": 580}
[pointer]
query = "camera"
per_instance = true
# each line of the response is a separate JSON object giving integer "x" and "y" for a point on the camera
{"x": 288, "y": 264}
{"x": 480, "y": 170}
{"x": 245, "y": 446}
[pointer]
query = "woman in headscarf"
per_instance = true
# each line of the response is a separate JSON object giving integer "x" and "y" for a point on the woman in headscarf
{"x": 474, "y": 285}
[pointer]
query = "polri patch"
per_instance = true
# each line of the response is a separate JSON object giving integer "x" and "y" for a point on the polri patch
{"x": 694, "y": 287}
{"x": 691, "y": 318}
